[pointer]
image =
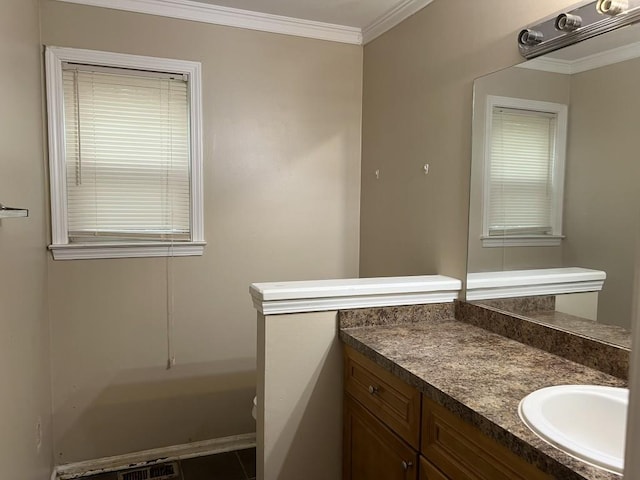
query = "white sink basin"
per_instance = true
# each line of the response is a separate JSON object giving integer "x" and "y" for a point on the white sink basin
{"x": 588, "y": 422}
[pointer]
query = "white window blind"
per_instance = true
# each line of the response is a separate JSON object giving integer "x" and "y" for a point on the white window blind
{"x": 522, "y": 165}
{"x": 127, "y": 154}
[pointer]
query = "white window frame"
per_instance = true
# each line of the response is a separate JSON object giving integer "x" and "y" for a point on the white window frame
{"x": 526, "y": 240}
{"x": 60, "y": 246}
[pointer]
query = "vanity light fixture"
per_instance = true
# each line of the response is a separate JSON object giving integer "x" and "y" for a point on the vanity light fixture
{"x": 586, "y": 20}
{"x": 612, "y": 7}
{"x": 565, "y": 22}
{"x": 530, "y": 37}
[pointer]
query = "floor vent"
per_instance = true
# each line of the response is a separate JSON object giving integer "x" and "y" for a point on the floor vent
{"x": 163, "y": 471}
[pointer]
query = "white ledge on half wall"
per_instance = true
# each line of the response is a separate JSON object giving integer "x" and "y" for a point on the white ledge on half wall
{"x": 525, "y": 283}
{"x": 324, "y": 295}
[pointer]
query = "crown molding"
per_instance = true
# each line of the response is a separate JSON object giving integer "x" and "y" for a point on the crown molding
{"x": 233, "y": 17}
{"x": 392, "y": 18}
{"x": 552, "y": 65}
{"x": 597, "y": 60}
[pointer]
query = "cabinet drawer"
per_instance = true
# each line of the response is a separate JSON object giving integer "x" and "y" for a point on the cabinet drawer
{"x": 429, "y": 472}
{"x": 462, "y": 452}
{"x": 390, "y": 399}
{"x": 371, "y": 450}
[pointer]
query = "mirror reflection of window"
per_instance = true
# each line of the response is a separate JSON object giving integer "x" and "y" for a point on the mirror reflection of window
{"x": 521, "y": 166}
{"x": 524, "y": 171}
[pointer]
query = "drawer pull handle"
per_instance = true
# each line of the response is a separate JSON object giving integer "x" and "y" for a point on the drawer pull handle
{"x": 407, "y": 465}
{"x": 373, "y": 390}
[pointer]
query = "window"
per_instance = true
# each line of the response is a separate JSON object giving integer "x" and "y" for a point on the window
{"x": 125, "y": 155}
{"x": 524, "y": 172}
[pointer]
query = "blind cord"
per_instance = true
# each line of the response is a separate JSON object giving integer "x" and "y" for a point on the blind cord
{"x": 171, "y": 358}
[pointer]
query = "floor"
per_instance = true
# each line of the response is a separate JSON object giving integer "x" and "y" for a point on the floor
{"x": 238, "y": 465}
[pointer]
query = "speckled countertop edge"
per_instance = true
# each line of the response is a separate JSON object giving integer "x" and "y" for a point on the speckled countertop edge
{"x": 598, "y": 354}
{"x": 480, "y": 376}
{"x": 370, "y": 317}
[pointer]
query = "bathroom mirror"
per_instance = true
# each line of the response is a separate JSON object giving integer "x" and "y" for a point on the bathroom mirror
{"x": 589, "y": 204}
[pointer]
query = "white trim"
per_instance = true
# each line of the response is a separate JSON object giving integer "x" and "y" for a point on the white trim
{"x": 522, "y": 241}
{"x": 393, "y": 17}
{"x": 352, "y": 287}
{"x": 54, "y": 57}
{"x": 197, "y": 151}
{"x": 87, "y": 251}
{"x": 597, "y": 60}
{"x": 156, "y": 455}
{"x": 544, "y": 64}
{"x": 524, "y": 283}
{"x": 562, "y": 112}
{"x": 279, "y": 307}
{"x": 233, "y": 17}
{"x": 533, "y": 290}
{"x": 327, "y": 295}
{"x": 55, "y": 128}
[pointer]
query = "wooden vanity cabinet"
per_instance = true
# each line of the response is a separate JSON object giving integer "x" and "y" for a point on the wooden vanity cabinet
{"x": 429, "y": 472}
{"x": 388, "y": 398}
{"x": 381, "y": 422}
{"x": 372, "y": 450}
{"x": 393, "y": 432}
{"x": 462, "y": 452}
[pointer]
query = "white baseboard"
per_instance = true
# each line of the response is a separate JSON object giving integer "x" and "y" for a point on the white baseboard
{"x": 156, "y": 455}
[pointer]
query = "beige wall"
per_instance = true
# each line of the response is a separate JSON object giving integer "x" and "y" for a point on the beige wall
{"x": 25, "y": 396}
{"x": 418, "y": 81}
{"x": 299, "y": 397}
{"x": 282, "y": 122}
{"x": 518, "y": 83}
{"x": 602, "y": 196}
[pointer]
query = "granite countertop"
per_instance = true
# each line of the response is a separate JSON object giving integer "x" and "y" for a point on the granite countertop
{"x": 612, "y": 334}
{"x": 542, "y": 309}
{"x": 481, "y": 376}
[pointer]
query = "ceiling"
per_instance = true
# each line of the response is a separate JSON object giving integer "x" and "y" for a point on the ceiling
{"x": 352, "y": 13}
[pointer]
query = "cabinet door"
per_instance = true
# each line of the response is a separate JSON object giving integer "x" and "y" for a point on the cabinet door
{"x": 393, "y": 401}
{"x": 463, "y": 452}
{"x": 429, "y": 472}
{"x": 371, "y": 450}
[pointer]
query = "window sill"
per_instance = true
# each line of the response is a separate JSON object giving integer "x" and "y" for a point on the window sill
{"x": 522, "y": 241}
{"x": 87, "y": 251}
